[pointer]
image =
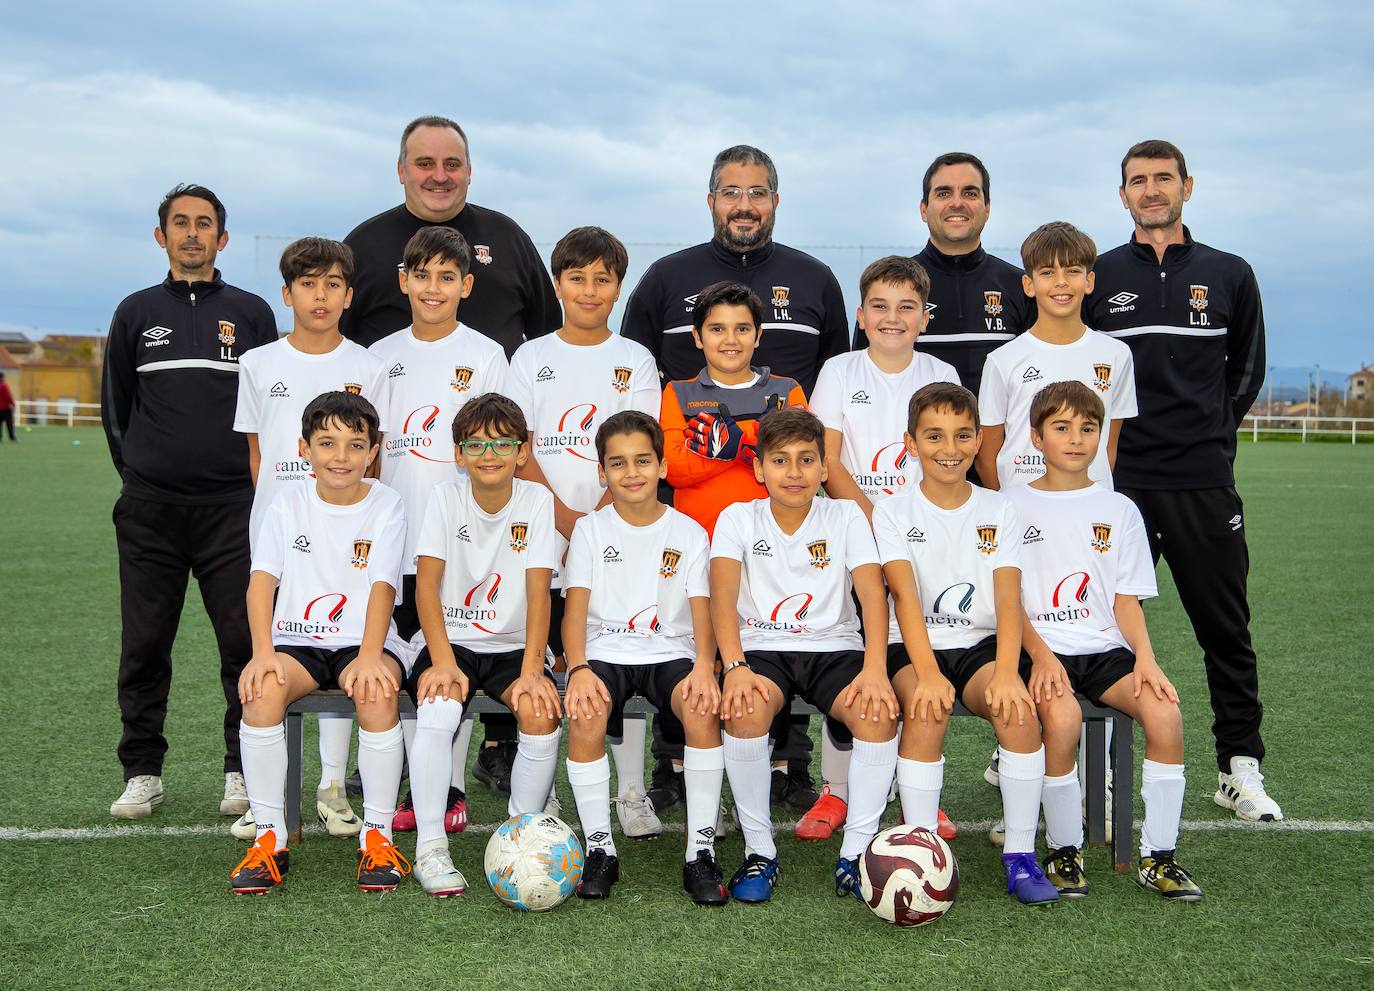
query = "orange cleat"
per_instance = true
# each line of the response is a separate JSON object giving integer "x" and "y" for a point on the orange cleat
{"x": 823, "y": 818}
{"x": 380, "y": 864}
{"x": 262, "y": 867}
{"x": 944, "y": 825}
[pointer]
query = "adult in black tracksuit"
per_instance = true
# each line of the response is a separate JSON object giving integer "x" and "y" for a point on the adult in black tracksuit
{"x": 168, "y": 393}
{"x": 1192, "y": 317}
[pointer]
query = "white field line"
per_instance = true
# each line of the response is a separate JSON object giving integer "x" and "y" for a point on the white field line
{"x": 978, "y": 826}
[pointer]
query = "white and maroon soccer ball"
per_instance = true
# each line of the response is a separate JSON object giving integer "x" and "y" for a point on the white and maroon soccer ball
{"x": 908, "y": 876}
{"x": 533, "y": 862}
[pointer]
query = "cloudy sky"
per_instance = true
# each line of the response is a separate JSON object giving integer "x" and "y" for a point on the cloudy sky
{"x": 582, "y": 112}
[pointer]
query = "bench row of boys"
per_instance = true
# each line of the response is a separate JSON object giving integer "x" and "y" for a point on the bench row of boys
{"x": 721, "y": 609}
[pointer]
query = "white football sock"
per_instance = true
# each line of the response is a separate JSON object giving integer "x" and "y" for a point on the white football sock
{"x": 531, "y": 776}
{"x": 1162, "y": 787}
{"x": 462, "y": 748}
{"x": 871, "y": 768}
{"x": 1062, "y": 798}
{"x": 379, "y": 764}
{"x": 629, "y": 758}
{"x": 703, "y": 769}
{"x": 263, "y": 751}
{"x": 591, "y": 787}
{"x": 834, "y": 763}
{"x": 336, "y": 734}
{"x": 436, "y": 722}
{"x": 746, "y": 763}
{"x": 919, "y": 783}
{"x": 1021, "y": 778}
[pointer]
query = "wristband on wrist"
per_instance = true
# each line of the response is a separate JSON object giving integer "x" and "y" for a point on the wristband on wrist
{"x": 730, "y": 667}
{"x": 576, "y": 668}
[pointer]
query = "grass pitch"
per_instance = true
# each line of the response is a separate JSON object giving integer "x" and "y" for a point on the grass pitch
{"x": 152, "y": 910}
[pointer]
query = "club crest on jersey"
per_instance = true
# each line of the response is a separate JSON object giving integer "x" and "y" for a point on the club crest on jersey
{"x": 519, "y": 536}
{"x": 226, "y": 333}
{"x": 781, "y": 296}
{"x": 462, "y": 378}
{"x": 992, "y": 302}
{"x": 1102, "y": 377}
{"x": 820, "y": 557}
{"x": 1197, "y": 297}
{"x": 620, "y": 379}
{"x": 354, "y": 388}
{"x": 483, "y": 253}
{"x": 360, "y": 552}
{"x": 987, "y": 538}
{"x": 671, "y": 559}
{"x": 1102, "y": 538}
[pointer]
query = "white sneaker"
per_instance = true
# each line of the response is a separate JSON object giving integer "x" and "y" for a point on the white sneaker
{"x": 1243, "y": 792}
{"x": 235, "y": 800}
{"x": 990, "y": 773}
{"x": 437, "y": 876}
{"x": 553, "y": 806}
{"x": 724, "y": 826}
{"x": 637, "y": 817}
{"x": 245, "y": 827}
{"x": 331, "y": 805}
{"x": 142, "y": 794}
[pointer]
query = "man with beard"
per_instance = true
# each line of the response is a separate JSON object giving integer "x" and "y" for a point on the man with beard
{"x": 1192, "y": 317}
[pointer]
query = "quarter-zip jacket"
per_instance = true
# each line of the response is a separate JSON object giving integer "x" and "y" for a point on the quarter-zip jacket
{"x": 1195, "y": 325}
{"x": 804, "y": 321}
{"x": 170, "y": 385}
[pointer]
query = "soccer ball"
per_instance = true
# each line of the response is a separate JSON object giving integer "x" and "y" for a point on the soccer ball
{"x": 908, "y": 876}
{"x": 533, "y": 862}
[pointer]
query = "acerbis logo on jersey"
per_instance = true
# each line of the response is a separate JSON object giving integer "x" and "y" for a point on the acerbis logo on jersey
{"x": 860, "y": 398}
{"x": 157, "y": 336}
{"x": 361, "y": 548}
{"x": 545, "y": 375}
{"x": 620, "y": 378}
{"x": 610, "y": 555}
{"x": 1102, "y": 377}
{"x": 1121, "y": 302}
{"x": 1031, "y": 374}
{"x": 354, "y": 388}
{"x": 463, "y": 534}
{"x": 1073, "y": 587}
{"x": 279, "y": 391}
{"x": 482, "y": 253}
{"x": 762, "y": 549}
{"x": 992, "y": 302}
{"x": 519, "y": 532}
{"x": 312, "y": 624}
{"x": 462, "y": 378}
{"x": 887, "y": 480}
{"x": 302, "y": 544}
{"x": 671, "y": 559}
{"x": 484, "y": 611}
{"x": 987, "y": 538}
{"x": 1032, "y": 535}
{"x": 794, "y": 605}
{"x": 396, "y": 371}
{"x": 573, "y": 434}
{"x": 1102, "y": 538}
{"x": 820, "y": 558}
{"x": 964, "y": 604}
{"x": 916, "y": 535}
{"x": 415, "y": 435}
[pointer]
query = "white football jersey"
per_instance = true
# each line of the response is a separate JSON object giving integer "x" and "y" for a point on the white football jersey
{"x": 1079, "y": 550}
{"x": 794, "y": 591}
{"x": 954, "y": 553}
{"x": 1019, "y": 369}
{"x": 326, "y": 559}
{"x": 868, "y": 407}
{"x": 275, "y": 385}
{"x": 428, "y": 382}
{"x": 640, "y": 578}
{"x": 485, "y": 559}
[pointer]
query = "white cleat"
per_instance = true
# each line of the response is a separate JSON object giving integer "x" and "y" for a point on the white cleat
{"x": 331, "y": 805}
{"x": 142, "y": 794}
{"x": 990, "y": 773}
{"x": 235, "y": 800}
{"x": 553, "y": 807}
{"x": 637, "y": 817}
{"x": 437, "y": 876}
{"x": 1242, "y": 791}
{"x": 245, "y": 827}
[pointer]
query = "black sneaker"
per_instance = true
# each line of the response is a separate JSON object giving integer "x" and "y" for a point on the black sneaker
{"x": 599, "y": 871}
{"x": 493, "y": 767}
{"x": 702, "y": 879}
{"x": 260, "y": 871}
{"x": 803, "y": 794}
{"x": 792, "y": 791}
{"x": 665, "y": 788}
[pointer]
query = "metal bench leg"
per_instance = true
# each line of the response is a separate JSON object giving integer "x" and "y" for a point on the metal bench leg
{"x": 295, "y": 769}
{"x": 1123, "y": 804}
{"x": 1096, "y": 764}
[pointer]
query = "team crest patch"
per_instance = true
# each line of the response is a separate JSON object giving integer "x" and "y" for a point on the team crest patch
{"x": 1102, "y": 538}
{"x": 992, "y": 302}
{"x": 781, "y": 296}
{"x": 483, "y": 253}
{"x": 820, "y": 558}
{"x": 1197, "y": 297}
{"x": 360, "y": 551}
{"x": 462, "y": 378}
{"x": 519, "y": 536}
{"x": 354, "y": 388}
{"x": 987, "y": 539}
{"x": 671, "y": 559}
{"x": 226, "y": 333}
{"x": 620, "y": 379}
{"x": 1102, "y": 377}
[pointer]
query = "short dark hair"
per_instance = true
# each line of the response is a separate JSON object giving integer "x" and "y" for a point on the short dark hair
{"x": 629, "y": 421}
{"x": 492, "y": 412}
{"x": 1154, "y": 148}
{"x": 1071, "y": 396}
{"x": 431, "y": 121}
{"x": 583, "y": 245}
{"x": 315, "y": 256}
{"x": 742, "y": 155}
{"x": 941, "y": 395}
{"x": 189, "y": 189}
{"x": 443, "y": 243}
{"x": 786, "y": 426}
{"x": 895, "y": 270}
{"x": 347, "y": 408}
{"x": 1057, "y": 243}
{"x": 726, "y": 294}
{"x": 956, "y": 158}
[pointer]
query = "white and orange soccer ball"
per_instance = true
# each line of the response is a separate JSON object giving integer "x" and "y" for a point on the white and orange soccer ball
{"x": 908, "y": 876}
{"x": 533, "y": 862}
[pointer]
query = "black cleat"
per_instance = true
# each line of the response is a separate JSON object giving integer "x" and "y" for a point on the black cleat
{"x": 702, "y": 879}
{"x": 493, "y": 767}
{"x": 599, "y": 871}
{"x": 260, "y": 870}
{"x": 792, "y": 790}
{"x": 665, "y": 788}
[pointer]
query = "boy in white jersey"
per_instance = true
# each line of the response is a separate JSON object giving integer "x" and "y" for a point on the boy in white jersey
{"x": 949, "y": 554}
{"x": 330, "y": 554}
{"x": 433, "y": 366}
{"x": 566, "y": 383}
{"x": 275, "y": 385}
{"x": 486, "y": 556}
{"x": 638, "y": 622}
{"x": 1058, "y": 260}
{"x": 1085, "y": 567}
{"x": 784, "y": 573}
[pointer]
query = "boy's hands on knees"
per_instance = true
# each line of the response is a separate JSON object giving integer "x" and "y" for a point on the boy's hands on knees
{"x": 369, "y": 678}
{"x": 264, "y": 666}
{"x": 700, "y": 691}
{"x": 1048, "y": 678}
{"x": 1148, "y": 672}
{"x": 932, "y": 699}
{"x": 872, "y": 692}
{"x": 541, "y": 692}
{"x": 586, "y": 695}
{"x": 1006, "y": 697}
{"x": 442, "y": 681}
{"x": 737, "y": 693}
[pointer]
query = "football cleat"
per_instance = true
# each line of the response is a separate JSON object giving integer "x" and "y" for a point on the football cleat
{"x": 493, "y": 767}
{"x": 755, "y": 880}
{"x": 823, "y": 818}
{"x": 331, "y": 805}
{"x": 1160, "y": 872}
{"x": 990, "y": 773}
{"x": 404, "y": 819}
{"x": 599, "y": 871}
{"x": 847, "y": 878}
{"x": 456, "y": 815}
{"x": 437, "y": 876}
{"x": 702, "y": 879}
{"x": 665, "y": 787}
{"x": 997, "y": 834}
{"x": 380, "y": 864}
{"x": 235, "y": 800}
{"x": 944, "y": 825}
{"x": 1242, "y": 791}
{"x": 637, "y": 818}
{"x": 1064, "y": 869}
{"x": 1027, "y": 881}
{"x": 262, "y": 867}
{"x": 245, "y": 827}
{"x": 552, "y": 806}
{"x": 793, "y": 790}
{"x": 142, "y": 794}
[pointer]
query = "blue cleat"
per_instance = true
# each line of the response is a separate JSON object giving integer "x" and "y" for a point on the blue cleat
{"x": 1027, "y": 881}
{"x": 847, "y": 878}
{"x": 755, "y": 879}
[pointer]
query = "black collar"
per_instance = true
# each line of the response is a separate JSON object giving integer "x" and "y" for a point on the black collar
{"x": 1173, "y": 254}
{"x": 742, "y": 259}
{"x": 933, "y": 257}
{"x": 183, "y": 290}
